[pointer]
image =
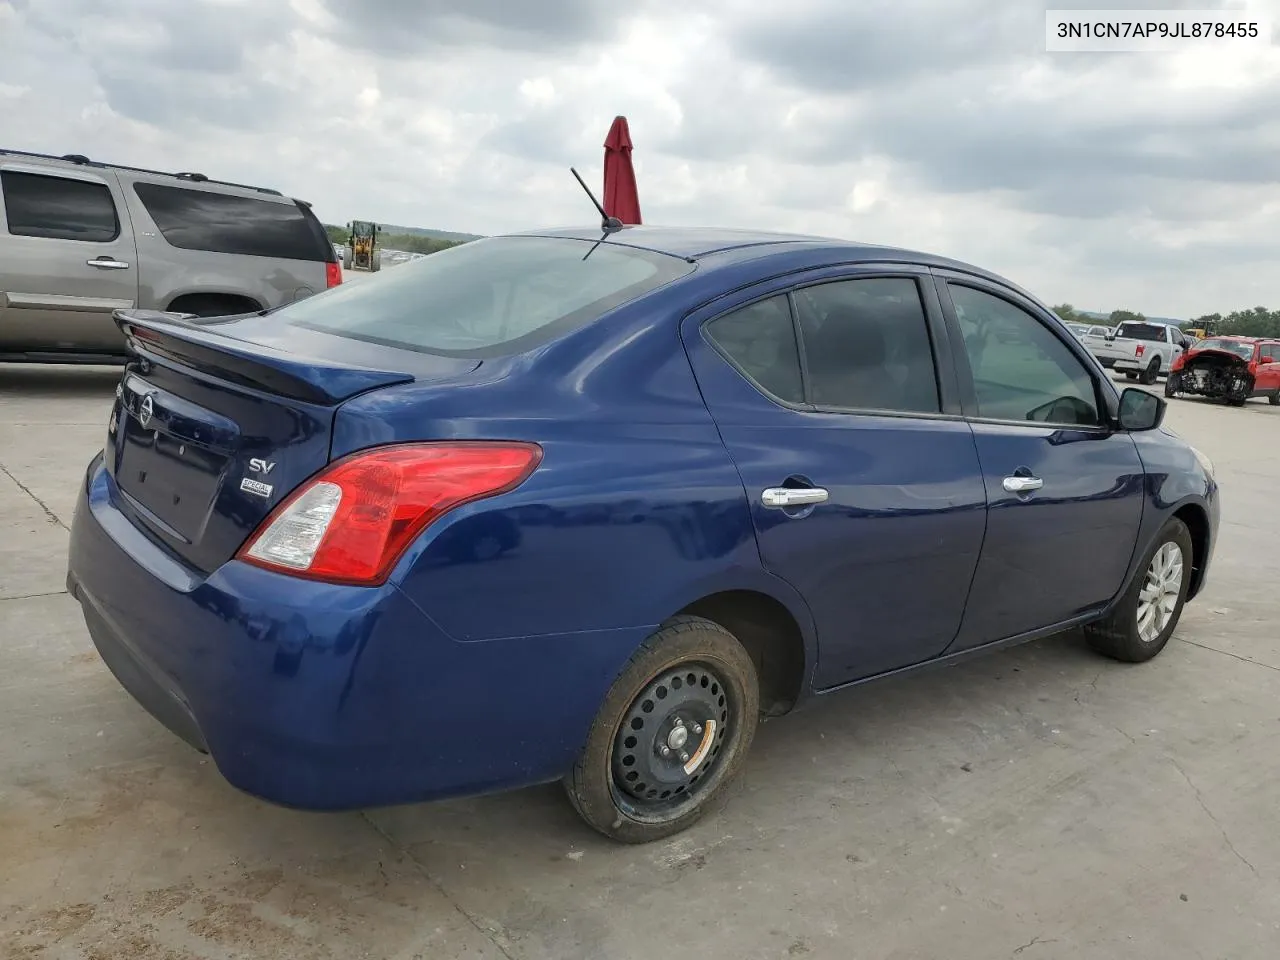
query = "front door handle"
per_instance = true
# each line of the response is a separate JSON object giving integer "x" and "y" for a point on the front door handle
{"x": 1022, "y": 484}
{"x": 108, "y": 263}
{"x": 783, "y": 497}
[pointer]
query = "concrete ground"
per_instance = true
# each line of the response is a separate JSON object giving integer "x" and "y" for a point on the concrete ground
{"x": 1039, "y": 803}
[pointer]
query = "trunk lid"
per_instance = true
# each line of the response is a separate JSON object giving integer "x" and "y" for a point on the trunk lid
{"x": 213, "y": 425}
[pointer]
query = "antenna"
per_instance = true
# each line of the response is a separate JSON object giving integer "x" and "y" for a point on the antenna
{"x": 607, "y": 223}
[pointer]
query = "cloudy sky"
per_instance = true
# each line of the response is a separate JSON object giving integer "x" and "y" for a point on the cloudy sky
{"x": 1143, "y": 181}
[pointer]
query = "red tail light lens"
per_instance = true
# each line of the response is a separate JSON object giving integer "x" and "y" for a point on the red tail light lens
{"x": 332, "y": 275}
{"x": 353, "y": 521}
{"x": 1139, "y": 350}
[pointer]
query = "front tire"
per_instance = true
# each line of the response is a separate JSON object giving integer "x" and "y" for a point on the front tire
{"x": 1146, "y": 616}
{"x": 1274, "y": 399}
{"x": 671, "y": 735}
{"x": 1171, "y": 385}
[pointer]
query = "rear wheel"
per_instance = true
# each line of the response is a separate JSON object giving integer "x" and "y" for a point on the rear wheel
{"x": 1274, "y": 399}
{"x": 1146, "y": 616}
{"x": 671, "y": 735}
{"x": 1152, "y": 373}
{"x": 1171, "y": 384}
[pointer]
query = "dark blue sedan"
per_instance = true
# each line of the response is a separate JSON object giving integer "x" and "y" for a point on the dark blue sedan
{"x": 560, "y": 506}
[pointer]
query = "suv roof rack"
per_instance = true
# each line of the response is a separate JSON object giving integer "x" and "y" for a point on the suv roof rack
{"x": 82, "y": 160}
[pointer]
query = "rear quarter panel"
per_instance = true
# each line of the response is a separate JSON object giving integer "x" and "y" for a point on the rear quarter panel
{"x": 635, "y": 512}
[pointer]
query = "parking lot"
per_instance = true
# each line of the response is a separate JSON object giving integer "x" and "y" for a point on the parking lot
{"x": 1036, "y": 803}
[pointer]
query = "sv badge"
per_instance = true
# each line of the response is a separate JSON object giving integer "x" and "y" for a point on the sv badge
{"x": 258, "y": 465}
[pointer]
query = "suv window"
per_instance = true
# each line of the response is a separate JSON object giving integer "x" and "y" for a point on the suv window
{"x": 1268, "y": 350}
{"x": 225, "y": 223}
{"x": 59, "y": 208}
{"x": 488, "y": 298}
{"x": 1021, "y": 371}
{"x": 1141, "y": 331}
{"x": 867, "y": 345}
{"x": 760, "y": 340}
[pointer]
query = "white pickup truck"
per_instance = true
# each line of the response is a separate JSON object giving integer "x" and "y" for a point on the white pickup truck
{"x": 1141, "y": 350}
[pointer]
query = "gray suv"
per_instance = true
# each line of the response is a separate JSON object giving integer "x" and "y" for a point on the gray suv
{"x": 79, "y": 240}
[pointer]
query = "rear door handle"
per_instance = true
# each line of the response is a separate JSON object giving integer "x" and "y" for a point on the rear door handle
{"x": 782, "y": 497}
{"x": 1022, "y": 484}
{"x": 108, "y": 263}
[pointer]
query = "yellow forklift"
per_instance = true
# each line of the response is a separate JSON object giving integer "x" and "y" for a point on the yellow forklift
{"x": 362, "y": 247}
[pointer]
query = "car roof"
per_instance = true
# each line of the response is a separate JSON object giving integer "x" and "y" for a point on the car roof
{"x": 75, "y": 160}
{"x": 729, "y": 244}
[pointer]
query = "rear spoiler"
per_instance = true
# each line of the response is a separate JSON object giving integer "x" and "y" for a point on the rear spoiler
{"x": 173, "y": 336}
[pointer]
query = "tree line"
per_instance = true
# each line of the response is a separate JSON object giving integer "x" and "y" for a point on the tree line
{"x": 1258, "y": 322}
{"x": 408, "y": 242}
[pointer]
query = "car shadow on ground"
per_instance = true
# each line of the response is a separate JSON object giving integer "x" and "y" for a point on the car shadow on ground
{"x": 57, "y": 382}
{"x": 830, "y": 746}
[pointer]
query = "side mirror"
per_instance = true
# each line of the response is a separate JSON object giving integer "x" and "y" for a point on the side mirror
{"x": 1140, "y": 410}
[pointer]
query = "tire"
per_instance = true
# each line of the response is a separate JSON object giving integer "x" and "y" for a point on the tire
{"x": 213, "y": 305}
{"x": 375, "y": 262}
{"x": 348, "y": 259}
{"x": 1131, "y": 376}
{"x": 1171, "y": 385}
{"x": 615, "y": 765}
{"x": 1152, "y": 373}
{"x": 1120, "y": 635}
{"x": 1274, "y": 399}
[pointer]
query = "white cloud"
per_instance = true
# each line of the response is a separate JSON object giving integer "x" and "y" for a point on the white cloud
{"x": 1143, "y": 181}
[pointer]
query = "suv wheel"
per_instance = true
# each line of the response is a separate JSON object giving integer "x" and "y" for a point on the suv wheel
{"x": 671, "y": 735}
{"x": 1171, "y": 384}
{"x": 1144, "y": 619}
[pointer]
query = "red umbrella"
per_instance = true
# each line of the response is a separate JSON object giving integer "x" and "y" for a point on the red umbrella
{"x": 621, "y": 198}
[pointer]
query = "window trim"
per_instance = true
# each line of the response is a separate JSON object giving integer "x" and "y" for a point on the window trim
{"x": 941, "y": 349}
{"x": 1107, "y": 400}
{"x": 52, "y": 174}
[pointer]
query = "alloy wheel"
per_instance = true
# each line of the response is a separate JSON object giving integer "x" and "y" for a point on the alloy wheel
{"x": 1158, "y": 599}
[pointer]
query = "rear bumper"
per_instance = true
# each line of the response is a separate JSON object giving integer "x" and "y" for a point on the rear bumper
{"x": 326, "y": 697}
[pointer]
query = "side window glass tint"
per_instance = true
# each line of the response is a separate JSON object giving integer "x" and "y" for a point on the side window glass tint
{"x": 1021, "y": 371}
{"x": 225, "y": 223}
{"x": 867, "y": 345}
{"x": 58, "y": 208}
{"x": 760, "y": 340}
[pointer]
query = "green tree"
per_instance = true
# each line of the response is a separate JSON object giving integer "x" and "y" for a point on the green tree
{"x": 1124, "y": 316}
{"x": 1068, "y": 314}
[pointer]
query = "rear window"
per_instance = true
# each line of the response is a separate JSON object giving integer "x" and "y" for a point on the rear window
{"x": 223, "y": 223}
{"x": 1140, "y": 331}
{"x": 488, "y": 297}
{"x": 58, "y": 208}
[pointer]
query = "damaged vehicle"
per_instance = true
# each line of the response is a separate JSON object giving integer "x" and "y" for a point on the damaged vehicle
{"x": 1233, "y": 369}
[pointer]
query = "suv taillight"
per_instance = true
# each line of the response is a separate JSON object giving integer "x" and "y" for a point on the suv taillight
{"x": 332, "y": 274}
{"x": 353, "y": 521}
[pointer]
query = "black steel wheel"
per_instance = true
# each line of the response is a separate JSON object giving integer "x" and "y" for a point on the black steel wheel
{"x": 670, "y": 736}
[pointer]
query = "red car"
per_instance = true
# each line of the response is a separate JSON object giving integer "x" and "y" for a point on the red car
{"x": 1228, "y": 368}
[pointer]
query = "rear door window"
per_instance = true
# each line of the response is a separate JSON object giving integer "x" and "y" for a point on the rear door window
{"x": 226, "y": 223}
{"x": 866, "y": 345}
{"x": 760, "y": 340}
{"x": 59, "y": 208}
{"x": 491, "y": 297}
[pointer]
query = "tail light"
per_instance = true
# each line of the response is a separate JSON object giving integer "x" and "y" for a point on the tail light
{"x": 353, "y": 521}
{"x": 1139, "y": 350}
{"x": 332, "y": 274}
